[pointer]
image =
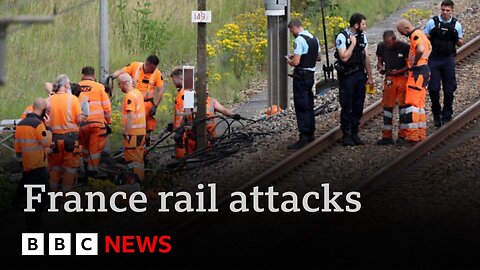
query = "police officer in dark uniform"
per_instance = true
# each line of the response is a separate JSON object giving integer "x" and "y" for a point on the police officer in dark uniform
{"x": 305, "y": 57}
{"x": 353, "y": 67}
{"x": 445, "y": 33}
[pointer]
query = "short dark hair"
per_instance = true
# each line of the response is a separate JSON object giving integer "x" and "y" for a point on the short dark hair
{"x": 448, "y": 3}
{"x": 153, "y": 59}
{"x": 75, "y": 87}
{"x": 295, "y": 22}
{"x": 88, "y": 70}
{"x": 388, "y": 34}
{"x": 357, "y": 18}
{"x": 176, "y": 72}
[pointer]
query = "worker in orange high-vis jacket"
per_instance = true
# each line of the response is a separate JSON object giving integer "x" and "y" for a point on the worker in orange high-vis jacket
{"x": 93, "y": 132}
{"x": 65, "y": 117}
{"x": 179, "y": 113}
{"x": 418, "y": 77}
{"x": 32, "y": 142}
{"x": 392, "y": 58}
{"x": 213, "y": 106}
{"x": 148, "y": 80}
{"x": 134, "y": 126}
{"x": 183, "y": 119}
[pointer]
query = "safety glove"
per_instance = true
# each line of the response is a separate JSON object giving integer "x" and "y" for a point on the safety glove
{"x": 109, "y": 129}
{"x": 178, "y": 137}
{"x": 170, "y": 127}
{"x": 153, "y": 110}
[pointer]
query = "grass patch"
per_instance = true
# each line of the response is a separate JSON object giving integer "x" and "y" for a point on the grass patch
{"x": 39, "y": 53}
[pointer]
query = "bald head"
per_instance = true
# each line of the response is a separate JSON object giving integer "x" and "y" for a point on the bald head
{"x": 39, "y": 105}
{"x": 124, "y": 78}
{"x": 125, "y": 82}
{"x": 405, "y": 27}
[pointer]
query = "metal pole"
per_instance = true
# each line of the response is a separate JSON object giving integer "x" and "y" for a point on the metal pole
{"x": 325, "y": 34}
{"x": 4, "y": 22}
{"x": 277, "y": 21}
{"x": 104, "y": 69}
{"x": 282, "y": 65}
{"x": 3, "y": 53}
{"x": 200, "y": 121}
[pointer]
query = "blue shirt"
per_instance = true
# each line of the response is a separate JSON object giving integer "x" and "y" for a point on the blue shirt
{"x": 431, "y": 24}
{"x": 301, "y": 45}
{"x": 341, "y": 41}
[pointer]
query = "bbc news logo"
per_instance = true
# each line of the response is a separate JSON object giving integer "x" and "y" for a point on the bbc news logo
{"x": 59, "y": 244}
{"x": 87, "y": 244}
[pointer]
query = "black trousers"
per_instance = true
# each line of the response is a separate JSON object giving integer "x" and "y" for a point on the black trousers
{"x": 352, "y": 99}
{"x": 37, "y": 176}
{"x": 303, "y": 101}
{"x": 442, "y": 74}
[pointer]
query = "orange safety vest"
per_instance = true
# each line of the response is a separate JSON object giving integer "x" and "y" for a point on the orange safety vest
{"x": 31, "y": 142}
{"x": 145, "y": 83}
{"x": 180, "y": 114}
{"x": 98, "y": 101}
{"x": 133, "y": 102}
{"x": 64, "y": 113}
{"x": 28, "y": 109}
{"x": 418, "y": 37}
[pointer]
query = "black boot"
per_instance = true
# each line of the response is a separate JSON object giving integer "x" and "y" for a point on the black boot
{"x": 347, "y": 138}
{"x": 311, "y": 137}
{"x": 302, "y": 141}
{"x": 356, "y": 139}
{"x": 385, "y": 141}
{"x": 437, "y": 121}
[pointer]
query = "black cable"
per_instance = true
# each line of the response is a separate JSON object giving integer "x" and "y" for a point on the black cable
{"x": 229, "y": 143}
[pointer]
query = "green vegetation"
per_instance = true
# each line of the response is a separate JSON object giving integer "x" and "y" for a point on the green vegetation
{"x": 39, "y": 53}
{"x": 237, "y": 40}
{"x": 414, "y": 14}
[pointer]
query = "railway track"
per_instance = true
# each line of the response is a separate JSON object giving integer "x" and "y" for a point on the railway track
{"x": 285, "y": 167}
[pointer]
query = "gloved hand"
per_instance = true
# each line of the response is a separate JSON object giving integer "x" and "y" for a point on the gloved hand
{"x": 178, "y": 137}
{"x": 152, "y": 111}
{"x": 109, "y": 129}
{"x": 236, "y": 116}
{"x": 170, "y": 127}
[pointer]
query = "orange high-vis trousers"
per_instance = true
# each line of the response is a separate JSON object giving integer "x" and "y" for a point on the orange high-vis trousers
{"x": 150, "y": 120}
{"x": 93, "y": 139}
{"x": 134, "y": 150}
{"x": 64, "y": 162}
{"x": 415, "y": 121}
{"x": 393, "y": 94}
{"x": 180, "y": 150}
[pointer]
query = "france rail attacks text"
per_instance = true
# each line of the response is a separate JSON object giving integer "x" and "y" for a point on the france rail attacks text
{"x": 204, "y": 199}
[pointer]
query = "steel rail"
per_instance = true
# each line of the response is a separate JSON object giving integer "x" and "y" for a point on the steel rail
{"x": 330, "y": 138}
